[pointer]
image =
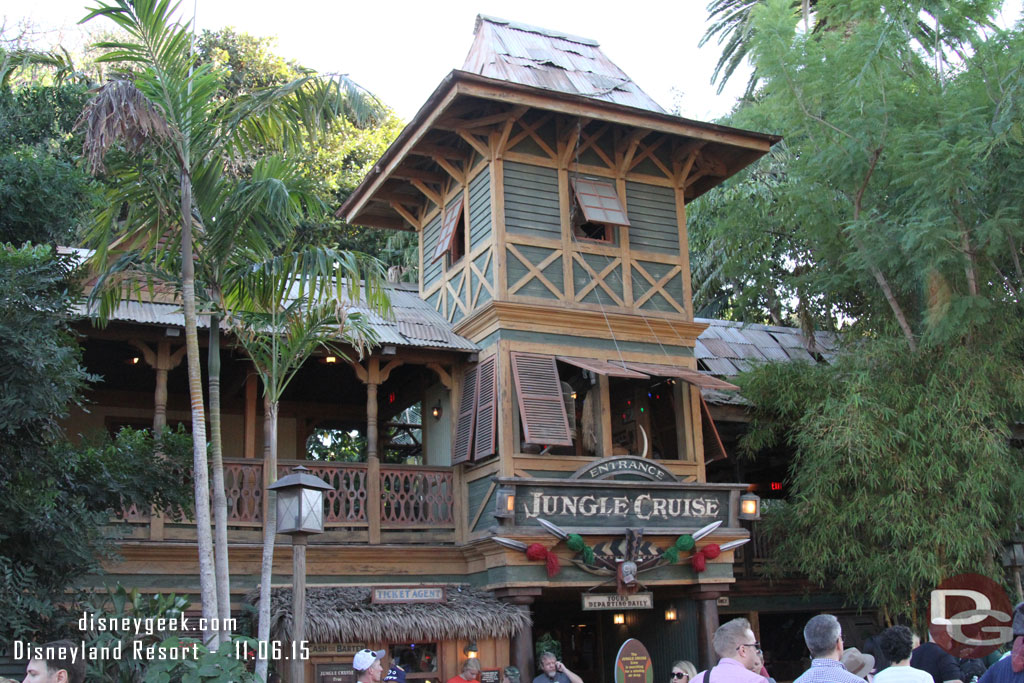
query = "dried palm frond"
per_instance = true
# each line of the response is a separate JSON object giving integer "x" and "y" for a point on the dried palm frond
{"x": 120, "y": 112}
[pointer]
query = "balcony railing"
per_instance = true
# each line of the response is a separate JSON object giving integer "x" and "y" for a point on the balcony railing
{"x": 412, "y": 499}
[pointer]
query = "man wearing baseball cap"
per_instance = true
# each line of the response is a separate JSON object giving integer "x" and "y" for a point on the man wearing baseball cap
{"x": 367, "y": 665}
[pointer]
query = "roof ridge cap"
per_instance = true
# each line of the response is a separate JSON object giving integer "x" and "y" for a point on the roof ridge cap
{"x": 518, "y": 26}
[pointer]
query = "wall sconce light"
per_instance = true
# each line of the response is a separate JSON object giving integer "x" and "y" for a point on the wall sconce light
{"x": 670, "y": 614}
{"x": 436, "y": 411}
{"x": 471, "y": 650}
{"x": 750, "y": 507}
{"x": 134, "y": 360}
{"x": 330, "y": 360}
{"x": 505, "y": 502}
{"x": 618, "y": 618}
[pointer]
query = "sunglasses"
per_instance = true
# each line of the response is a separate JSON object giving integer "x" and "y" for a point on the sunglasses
{"x": 680, "y": 674}
{"x": 756, "y": 645}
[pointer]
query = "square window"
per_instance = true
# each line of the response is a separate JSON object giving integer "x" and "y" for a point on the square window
{"x": 599, "y": 210}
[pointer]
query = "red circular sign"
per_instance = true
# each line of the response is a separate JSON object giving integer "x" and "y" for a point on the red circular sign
{"x": 970, "y": 616}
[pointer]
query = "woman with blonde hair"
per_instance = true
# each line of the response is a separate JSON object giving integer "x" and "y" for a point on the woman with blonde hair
{"x": 682, "y": 672}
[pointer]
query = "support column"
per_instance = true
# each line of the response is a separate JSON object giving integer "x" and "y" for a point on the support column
{"x": 521, "y": 652}
{"x": 298, "y": 665}
{"x": 249, "y": 439}
{"x": 372, "y": 457}
{"x": 707, "y": 624}
{"x": 162, "y": 362}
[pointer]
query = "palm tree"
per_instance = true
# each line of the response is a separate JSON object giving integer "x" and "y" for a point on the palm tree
{"x": 160, "y": 134}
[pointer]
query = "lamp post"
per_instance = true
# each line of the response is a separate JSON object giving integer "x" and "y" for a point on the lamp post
{"x": 300, "y": 512}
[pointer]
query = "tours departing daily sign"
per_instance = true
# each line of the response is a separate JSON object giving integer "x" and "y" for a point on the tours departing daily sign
{"x": 633, "y": 664}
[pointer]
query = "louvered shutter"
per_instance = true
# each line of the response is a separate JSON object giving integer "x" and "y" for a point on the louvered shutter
{"x": 451, "y": 221}
{"x": 541, "y": 406}
{"x": 487, "y": 408}
{"x": 713, "y": 448}
{"x": 464, "y": 421}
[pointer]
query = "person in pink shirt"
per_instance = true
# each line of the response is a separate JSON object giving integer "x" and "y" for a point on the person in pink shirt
{"x": 738, "y": 653}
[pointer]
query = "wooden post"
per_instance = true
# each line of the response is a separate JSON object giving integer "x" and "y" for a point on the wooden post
{"x": 298, "y": 665}
{"x": 372, "y": 458}
{"x": 707, "y": 613}
{"x": 522, "y": 643}
{"x": 249, "y": 439}
{"x": 604, "y": 407}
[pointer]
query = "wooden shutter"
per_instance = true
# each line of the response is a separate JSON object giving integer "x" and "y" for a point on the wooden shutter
{"x": 541, "y": 407}
{"x": 713, "y": 447}
{"x": 451, "y": 221}
{"x": 464, "y": 421}
{"x": 487, "y": 408}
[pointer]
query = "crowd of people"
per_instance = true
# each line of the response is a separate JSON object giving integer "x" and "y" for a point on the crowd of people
{"x": 894, "y": 656}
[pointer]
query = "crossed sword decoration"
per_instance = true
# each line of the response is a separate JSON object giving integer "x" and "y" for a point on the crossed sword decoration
{"x": 625, "y": 568}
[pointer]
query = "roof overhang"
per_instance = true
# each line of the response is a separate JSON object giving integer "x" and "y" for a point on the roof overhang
{"x": 740, "y": 146}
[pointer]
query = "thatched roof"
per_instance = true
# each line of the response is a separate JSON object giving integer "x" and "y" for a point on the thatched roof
{"x": 347, "y": 615}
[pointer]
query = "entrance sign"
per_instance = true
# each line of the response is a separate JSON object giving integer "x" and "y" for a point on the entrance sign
{"x": 633, "y": 664}
{"x": 575, "y": 506}
{"x": 623, "y": 466}
{"x": 490, "y": 676}
{"x": 614, "y": 601}
{"x": 407, "y": 594}
{"x": 335, "y": 649}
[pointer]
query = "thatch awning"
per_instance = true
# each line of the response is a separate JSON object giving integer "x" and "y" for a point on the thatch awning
{"x": 345, "y": 615}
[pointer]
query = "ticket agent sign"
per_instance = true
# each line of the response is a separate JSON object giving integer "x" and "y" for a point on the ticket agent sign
{"x": 633, "y": 664}
{"x": 407, "y": 594}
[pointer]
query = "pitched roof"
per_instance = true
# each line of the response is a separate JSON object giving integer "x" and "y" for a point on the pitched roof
{"x": 727, "y": 348}
{"x": 547, "y": 59}
{"x": 413, "y": 323}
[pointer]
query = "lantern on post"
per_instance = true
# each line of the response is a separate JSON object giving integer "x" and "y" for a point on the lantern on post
{"x": 300, "y": 512}
{"x": 750, "y": 507}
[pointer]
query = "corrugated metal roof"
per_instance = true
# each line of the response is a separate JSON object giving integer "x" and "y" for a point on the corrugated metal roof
{"x": 414, "y": 322}
{"x": 552, "y": 60}
{"x": 728, "y": 348}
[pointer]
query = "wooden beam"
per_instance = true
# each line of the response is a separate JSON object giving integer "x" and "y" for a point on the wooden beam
{"x": 427, "y": 192}
{"x": 406, "y": 173}
{"x": 474, "y": 142}
{"x": 457, "y": 174}
{"x": 404, "y": 213}
{"x": 375, "y": 220}
{"x": 393, "y": 196}
{"x": 428, "y": 149}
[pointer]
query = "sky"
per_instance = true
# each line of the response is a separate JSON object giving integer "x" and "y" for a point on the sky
{"x": 401, "y": 50}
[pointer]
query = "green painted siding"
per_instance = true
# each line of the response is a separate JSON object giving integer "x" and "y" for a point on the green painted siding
{"x": 674, "y": 287}
{"x": 535, "y": 255}
{"x": 571, "y": 342}
{"x": 488, "y": 271}
{"x": 531, "y": 201}
{"x": 474, "y": 498}
{"x": 581, "y": 278}
{"x": 480, "y": 208}
{"x": 652, "y": 218}
{"x": 431, "y": 271}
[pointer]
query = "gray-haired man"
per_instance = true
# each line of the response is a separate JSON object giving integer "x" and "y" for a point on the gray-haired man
{"x": 824, "y": 638}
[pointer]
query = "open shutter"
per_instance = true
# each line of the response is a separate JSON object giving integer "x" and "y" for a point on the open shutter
{"x": 713, "y": 447}
{"x": 451, "y": 221}
{"x": 541, "y": 407}
{"x": 464, "y": 421}
{"x": 599, "y": 201}
{"x": 487, "y": 408}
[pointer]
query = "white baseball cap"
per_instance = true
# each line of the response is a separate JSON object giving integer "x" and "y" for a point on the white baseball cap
{"x": 364, "y": 659}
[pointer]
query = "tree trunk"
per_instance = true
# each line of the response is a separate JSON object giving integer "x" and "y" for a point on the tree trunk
{"x": 269, "y": 530}
{"x": 220, "y": 501}
{"x": 200, "y": 474}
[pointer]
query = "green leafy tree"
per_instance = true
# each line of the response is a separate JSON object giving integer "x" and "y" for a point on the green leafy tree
{"x": 158, "y": 134}
{"x": 893, "y": 208}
